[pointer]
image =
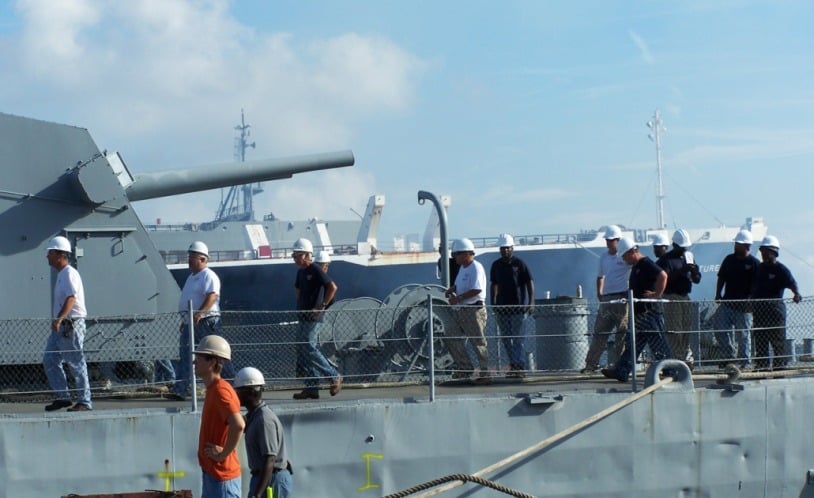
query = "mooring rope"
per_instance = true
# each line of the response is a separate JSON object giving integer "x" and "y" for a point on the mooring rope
{"x": 462, "y": 478}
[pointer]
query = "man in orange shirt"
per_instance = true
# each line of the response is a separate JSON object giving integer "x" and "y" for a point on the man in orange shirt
{"x": 221, "y": 422}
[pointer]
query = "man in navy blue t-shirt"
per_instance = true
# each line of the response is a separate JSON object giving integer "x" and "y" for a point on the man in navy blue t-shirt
{"x": 772, "y": 279}
{"x": 314, "y": 290}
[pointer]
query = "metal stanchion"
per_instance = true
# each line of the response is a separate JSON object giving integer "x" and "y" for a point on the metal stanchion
{"x": 191, "y": 332}
{"x": 431, "y": 347}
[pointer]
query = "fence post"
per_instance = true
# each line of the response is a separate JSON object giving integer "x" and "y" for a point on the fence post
{"x": 431, "y": 347}
{"x": 632, "y": 331}
{"x": 191, "y": 331}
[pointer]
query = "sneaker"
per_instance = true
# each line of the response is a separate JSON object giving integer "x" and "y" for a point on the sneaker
{"x": 589, "y": 370}
{"x": 57, "y": 404}
{"x": 461, "y": 374}
{"x": 306, "y": 394}
{"x": 336, "y": 386}
{"x": 175, "y": 397}
{"x": 80, "y": 407}
{"x": 483, "y": 381}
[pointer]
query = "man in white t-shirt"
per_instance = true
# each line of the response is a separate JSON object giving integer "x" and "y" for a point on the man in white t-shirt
{"x": 202, "y": 287}
{"x": 67, "y": 337}
{"x": 611, "y": 285}
{"x": 468, "y": 294}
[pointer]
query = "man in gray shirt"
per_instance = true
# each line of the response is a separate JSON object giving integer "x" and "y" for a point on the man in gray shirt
{"x": 265, "y": 444}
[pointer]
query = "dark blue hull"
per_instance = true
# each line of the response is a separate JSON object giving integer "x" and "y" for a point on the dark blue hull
{"x": 557, "y": 271}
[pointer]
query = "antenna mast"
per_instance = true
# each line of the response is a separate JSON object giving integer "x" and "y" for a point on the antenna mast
{"x": 238, "y": 204}
{"x": 655, "y": 135}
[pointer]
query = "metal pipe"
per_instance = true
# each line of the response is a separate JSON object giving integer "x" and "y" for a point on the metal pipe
{"x": 431, "y": 347}
{"x": 191, "y": 332}
{"x": 632, "y": 331}
{"x": 423, "y": 195}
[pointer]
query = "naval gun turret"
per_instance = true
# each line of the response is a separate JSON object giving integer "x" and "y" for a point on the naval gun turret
{"x": 56, "y": 181}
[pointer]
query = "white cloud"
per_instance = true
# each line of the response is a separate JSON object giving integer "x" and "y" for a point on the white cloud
{"x": 644, "y": 50}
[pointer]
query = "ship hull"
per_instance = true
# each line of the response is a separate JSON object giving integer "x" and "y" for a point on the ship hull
{"x": 706, "y": 442}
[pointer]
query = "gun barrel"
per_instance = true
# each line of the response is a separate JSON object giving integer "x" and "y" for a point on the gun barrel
{"x": 182, "y": 181}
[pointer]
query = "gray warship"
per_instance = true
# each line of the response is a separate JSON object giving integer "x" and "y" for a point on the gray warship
{"x": 554, "y": 434}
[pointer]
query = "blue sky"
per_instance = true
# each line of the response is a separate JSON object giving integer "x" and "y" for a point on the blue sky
{"x": 530, "y": 114}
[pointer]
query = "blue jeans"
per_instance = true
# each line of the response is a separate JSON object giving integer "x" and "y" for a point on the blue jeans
{"x": 649, "y": 327}
{"x": 311, "y": 363}
{"x": 212, "y": 488}
{"x": 513, "y": 337}
{"x": 60, "y": 352}
{"x": 205, "y": 327}
{"x": 281, "y": 482}
{"x": 727, "y": 318}
{"x": 164, "y": 371}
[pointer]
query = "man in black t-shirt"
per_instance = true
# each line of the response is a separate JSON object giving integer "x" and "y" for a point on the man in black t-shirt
{"x": 512, "y": 297}
{"x": 736, "y": 277}
{"x": 311, "y": 283}
{"x": 648, "y": 281}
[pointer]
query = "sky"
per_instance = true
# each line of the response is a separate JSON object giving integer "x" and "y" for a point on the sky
{"x": 531, "y": 114}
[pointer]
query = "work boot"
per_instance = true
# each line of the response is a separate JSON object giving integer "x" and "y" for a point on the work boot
{"x": 306, "y": 394}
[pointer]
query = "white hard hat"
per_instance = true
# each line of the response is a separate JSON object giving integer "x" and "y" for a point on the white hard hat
{"x": 505, "y": 240}
{"x": 613, "y": 232}
{"x": 249, "y": 377}
{"x": 771, "y": 242}
{"x": 463, "y": 245}
{"x": 744, "y": 237}
{"x": 303, "y": 245}
{"x": 59, "y": 243}
{"x": 681, "y": 238}
{"x": 625, "y": 244}
{"x": 199, "y": 247}
{"x": 660, "y": 239}
{"x": 214, "y": 345}
{"x": 323, "y": 257}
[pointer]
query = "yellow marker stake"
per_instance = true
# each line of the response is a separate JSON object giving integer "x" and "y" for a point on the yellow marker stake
{"x": 169, "y": 476}
{"x": 367, "y": 457}
{"x": 269, "y": 492}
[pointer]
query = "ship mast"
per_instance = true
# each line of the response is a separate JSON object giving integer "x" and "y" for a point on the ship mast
{"x": 238, "y": 203}
{"x": 655, "y": 135}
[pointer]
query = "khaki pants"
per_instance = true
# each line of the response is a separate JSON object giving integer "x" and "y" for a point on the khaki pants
{"x": 470, "y": 323}
{"x": 610, "y": 316}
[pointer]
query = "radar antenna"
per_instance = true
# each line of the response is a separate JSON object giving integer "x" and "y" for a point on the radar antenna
{"x": 655, "y": 135}
{"x": 238, "y": 205}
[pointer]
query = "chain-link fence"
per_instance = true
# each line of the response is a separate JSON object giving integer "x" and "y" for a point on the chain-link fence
{"x": 377, "y": 343}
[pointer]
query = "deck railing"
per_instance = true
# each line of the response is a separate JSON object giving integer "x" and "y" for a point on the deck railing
{"x": 377, "y": 344}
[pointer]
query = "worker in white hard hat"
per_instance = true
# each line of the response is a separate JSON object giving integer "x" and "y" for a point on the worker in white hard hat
{"x": 680, "y": 317}
{"x": 512, "y": 298}
{"x": 64, "y": 347}
{"x": 647, "y": 281}
{"x": 314, "y": 291}
{"x": 221, "y": 421}
{"x": 323, "y": 259}
{"x": 264, "y": 439}
{"x": 202, "y": 287}
{"x": 611, "y": 286}
{"x": 733, "y": 318}
{"x": 660, "y": 245}
{"x": 771, "y": 281}
{"x": 468, "y": 295}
